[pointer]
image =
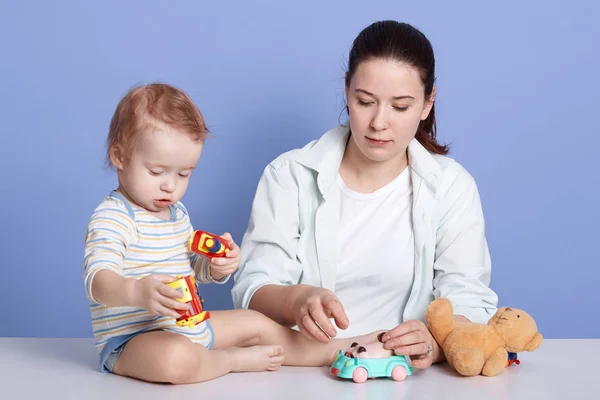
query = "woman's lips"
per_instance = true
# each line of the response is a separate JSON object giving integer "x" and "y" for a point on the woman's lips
{"x": 377, "y": 141}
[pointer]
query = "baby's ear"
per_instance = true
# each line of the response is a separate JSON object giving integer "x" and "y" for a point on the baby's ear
{"x": 534, "y": 343}
{"x": 116, "y": 156}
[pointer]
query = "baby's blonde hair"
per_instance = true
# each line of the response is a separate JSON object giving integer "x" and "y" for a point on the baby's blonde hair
{"x": 145, "y": 107}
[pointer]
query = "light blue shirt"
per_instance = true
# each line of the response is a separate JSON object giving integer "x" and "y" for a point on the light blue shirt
{"x": 291, "y": 236}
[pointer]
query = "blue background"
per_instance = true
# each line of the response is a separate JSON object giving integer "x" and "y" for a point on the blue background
{"x": 517, "y": 99}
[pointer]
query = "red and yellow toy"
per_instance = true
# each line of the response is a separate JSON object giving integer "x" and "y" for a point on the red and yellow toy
{"x": 194, "y": 314}
{"x": 512, "y": 359}
{"x": 209, "y": 245}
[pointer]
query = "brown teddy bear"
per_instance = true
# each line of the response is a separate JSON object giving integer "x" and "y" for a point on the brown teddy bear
{"x": 472, "y": 348}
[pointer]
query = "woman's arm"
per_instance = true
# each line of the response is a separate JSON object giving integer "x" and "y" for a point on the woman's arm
{"x": 276, "y": 302}
{"x": 269, "y": 245}
{"x": 308, "y": 307}
{"x": 267, "y": 280}
{"x": 462, "y": 267}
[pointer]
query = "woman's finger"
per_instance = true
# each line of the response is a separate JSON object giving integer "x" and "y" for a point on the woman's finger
{"x": 318, "y": 315}
{"x": 334, "y": 307}
{"x": 404, "y": 328}
{"x": 407, "y": 339}
{"x": 305, "y": 331}
{"x": 412, "y": 349}
{"x": 311, "y": 327}
{"x": 422, "y": 363}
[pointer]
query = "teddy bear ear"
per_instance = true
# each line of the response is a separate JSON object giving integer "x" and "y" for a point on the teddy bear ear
{"x": 534, "y": 343}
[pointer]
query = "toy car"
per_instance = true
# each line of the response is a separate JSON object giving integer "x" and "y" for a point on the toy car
{"x": 189, "y": 290}
{"x": 209, "y": 245}
{"x": 360, "y": 369}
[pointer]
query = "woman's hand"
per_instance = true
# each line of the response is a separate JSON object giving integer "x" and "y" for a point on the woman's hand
{"x": 313, "y": 307}
{"x": 413, "y": 339}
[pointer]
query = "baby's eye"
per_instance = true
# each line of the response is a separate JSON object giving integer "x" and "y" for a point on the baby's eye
{"x": 155, "y": 172}
{"x": 184, "y": 175}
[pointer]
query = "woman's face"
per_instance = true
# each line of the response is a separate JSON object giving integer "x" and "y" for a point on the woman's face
{"x": 386, "y": 103}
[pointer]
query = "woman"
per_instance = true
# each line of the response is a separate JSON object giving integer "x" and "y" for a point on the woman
{"x": 370, "y": 223}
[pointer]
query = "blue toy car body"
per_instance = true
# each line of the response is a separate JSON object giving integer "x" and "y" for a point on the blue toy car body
{"x": 360, "y": 369}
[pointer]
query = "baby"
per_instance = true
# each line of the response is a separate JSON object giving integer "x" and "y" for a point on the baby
{"x": 137, "y": 243}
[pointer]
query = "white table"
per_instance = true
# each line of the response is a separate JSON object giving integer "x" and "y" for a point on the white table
{"x": 33, "y": 368}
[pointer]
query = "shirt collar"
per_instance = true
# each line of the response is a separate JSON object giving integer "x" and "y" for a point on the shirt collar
{"x": 326, "y": 154}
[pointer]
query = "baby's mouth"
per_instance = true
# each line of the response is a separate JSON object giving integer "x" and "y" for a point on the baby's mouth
{"x": 162, "y": 202}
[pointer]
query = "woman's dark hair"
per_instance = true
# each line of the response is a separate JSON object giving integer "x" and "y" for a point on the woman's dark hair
{"x": 404, "y": 43}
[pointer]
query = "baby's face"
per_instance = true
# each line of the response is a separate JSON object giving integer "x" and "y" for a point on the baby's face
{"x": 158, "y": 171}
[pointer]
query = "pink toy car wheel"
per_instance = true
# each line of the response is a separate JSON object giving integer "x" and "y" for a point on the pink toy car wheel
{"x": 360, "y": 375}
{"x": 399, "y": 373}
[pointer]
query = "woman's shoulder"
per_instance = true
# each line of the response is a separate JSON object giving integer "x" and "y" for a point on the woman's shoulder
{"x": 449, "y": 166}
{"x": 286, "y": 169}
{"x": 291, "y": 157}
{"x": 455, "y": 180}
{"x": 312, "y": 154}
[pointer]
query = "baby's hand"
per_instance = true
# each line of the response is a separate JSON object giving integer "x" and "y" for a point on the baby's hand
{"x": 223, "y": 266}
{"x": 153, "y": 294}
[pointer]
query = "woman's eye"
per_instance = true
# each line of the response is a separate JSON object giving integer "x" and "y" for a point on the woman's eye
{"x": 364, "y": 103}
{"x": 400, "y": 108}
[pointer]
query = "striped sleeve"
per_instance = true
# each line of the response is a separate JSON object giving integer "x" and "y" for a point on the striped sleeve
{"x": 109, "y": 233}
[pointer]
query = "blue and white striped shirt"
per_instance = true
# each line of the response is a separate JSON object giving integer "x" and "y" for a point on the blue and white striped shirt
{"x": 134, "y": 243}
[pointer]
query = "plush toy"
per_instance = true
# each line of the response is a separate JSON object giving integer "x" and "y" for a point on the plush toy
{"x": 472, "y": 348}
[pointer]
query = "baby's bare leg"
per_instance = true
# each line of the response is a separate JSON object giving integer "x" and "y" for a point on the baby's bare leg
{"x": 172, "y": 358}
{"x": 251, "y": 328}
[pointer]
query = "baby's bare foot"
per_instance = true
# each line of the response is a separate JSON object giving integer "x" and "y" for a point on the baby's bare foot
{"x": 257, "y": 358}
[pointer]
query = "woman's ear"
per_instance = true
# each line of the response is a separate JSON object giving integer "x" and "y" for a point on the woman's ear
{"x": 346, "y": 90}
{"x": 428, "y": 105}
{"x": 116, "y": 156}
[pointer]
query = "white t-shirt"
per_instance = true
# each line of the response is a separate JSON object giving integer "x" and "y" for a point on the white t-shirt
{"x": 375, "y": 259}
